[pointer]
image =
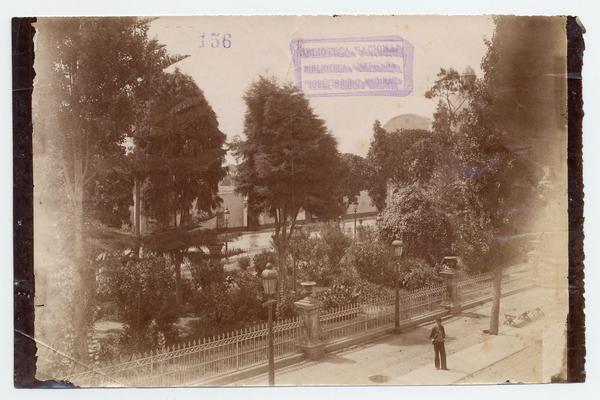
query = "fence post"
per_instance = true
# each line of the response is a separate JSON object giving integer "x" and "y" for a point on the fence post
{"x": 450, "y": 276}
{"x": 308, "y": 308}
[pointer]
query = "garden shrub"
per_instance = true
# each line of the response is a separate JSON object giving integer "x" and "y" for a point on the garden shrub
{"x": 319, "y": 258}
{"x": 244, "y": 263}
{"x": 373, "y": 261}
{"x": 225, "y": 301}
{"x": 144, "y": 290}
{"x": 415, "y": 273}
{"x": 261, "y": 259}
{"x": 413, "y": 217}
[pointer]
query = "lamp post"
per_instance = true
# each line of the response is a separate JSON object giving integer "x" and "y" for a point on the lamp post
{"x": 226, "y": 214}
{"x": 397, "y": 244}
{"x": 245, "y": 211}
{"x": 269, "y": 281}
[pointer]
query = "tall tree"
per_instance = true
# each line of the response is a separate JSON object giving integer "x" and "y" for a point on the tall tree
{"x": 400, "y": 158}
{"x": 452, "y": 93}
{"x": 524, "y": 84}
{"x": 479, "y": 194}
{"x": 493, "y": 188}
{"x": 180, "y": 154}
{"x": 289, "y": 161}
{"x": 89, "y": 72}
{"x": 356, "y": 176}
{"x": 378, "y": 181}
{"x": 413, "y": 216}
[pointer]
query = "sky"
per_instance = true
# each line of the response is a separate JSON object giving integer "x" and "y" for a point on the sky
{"x": 261, "y": 46}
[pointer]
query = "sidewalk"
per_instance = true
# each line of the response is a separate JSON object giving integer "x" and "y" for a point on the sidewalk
{"x": 407, "y": 358}
{"x": 466, "y": 362}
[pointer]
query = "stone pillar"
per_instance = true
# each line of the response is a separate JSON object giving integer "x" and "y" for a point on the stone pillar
{"x": 308, "y": 309}
{"x": 450, "y": 277}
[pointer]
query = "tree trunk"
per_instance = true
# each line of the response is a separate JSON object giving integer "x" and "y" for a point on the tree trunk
{"x": 252, "y": 215}
{"x": 177, "y": 285}
{"x": 283, "y": 250}
{"x": 186, "y": 217}
{"x": 497, "y": 293}
{"x": 82, "y": 279}
{"x": 177, "y": 259}
{"x": 137, "y": 219}
{"x": 283, "y": 285}
{"x": 281, "y": 264}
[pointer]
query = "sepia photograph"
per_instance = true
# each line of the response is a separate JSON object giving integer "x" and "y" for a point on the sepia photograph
{"x": 300, "y": 200}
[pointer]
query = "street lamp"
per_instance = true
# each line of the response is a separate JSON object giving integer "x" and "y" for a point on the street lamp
{"x": 269, "y": 281}
{"x": 397, "y": 244}
{"x": 226, "y": 214}
{"x": 245, "y": 211}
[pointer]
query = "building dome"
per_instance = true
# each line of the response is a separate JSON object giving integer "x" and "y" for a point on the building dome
{"x": 468, "y": 71}
{"x": 407, "y": 121}
{"x": 468, "y": 76}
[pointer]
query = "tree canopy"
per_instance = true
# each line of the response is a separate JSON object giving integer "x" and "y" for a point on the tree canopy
{"x": 109, "y": 116}
{"x": 181, "y": 151}
{"x": 289, "y": 161}
{"x": 399, "y": 158}
{"x": 493, "y": 177}
{"x": 357, "y": 173}
{"x": 413, "y": 216}
{"x": 90, "y": 71}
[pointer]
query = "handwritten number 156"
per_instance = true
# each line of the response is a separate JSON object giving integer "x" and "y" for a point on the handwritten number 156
{"x": 216, "y": 40}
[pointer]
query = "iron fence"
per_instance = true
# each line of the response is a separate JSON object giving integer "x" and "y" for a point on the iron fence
{"x": 422, "y": 302}
{"x": 475, "y": 288}
{"x": 480, "y": 287}
{"x": 354, "y": 319}
{"x": 197, "y": 360}
{"x": 202, "y": 360}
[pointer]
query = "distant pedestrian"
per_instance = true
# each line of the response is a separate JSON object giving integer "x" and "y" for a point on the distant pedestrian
{"x": 437, "y": 336}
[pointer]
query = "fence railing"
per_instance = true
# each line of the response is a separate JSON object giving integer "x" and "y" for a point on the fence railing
{"x": 480, "y": 287}
{"x": 354, "y": 319}
{"x": 185, "y": 364}
{"x": 208, "y": 358}
{"x": 519, "y": 278}
{"x": 422, "y": 302}
{"x": 475, "y": 288}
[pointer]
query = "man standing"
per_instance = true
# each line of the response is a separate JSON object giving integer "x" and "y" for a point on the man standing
{"x": 437, "y": 337}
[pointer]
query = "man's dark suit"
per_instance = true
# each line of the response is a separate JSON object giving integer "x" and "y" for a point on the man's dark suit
{"x": 437, "y": 336}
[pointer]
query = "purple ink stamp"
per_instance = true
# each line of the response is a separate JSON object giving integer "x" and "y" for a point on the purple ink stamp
{"x": 362, "y": 66}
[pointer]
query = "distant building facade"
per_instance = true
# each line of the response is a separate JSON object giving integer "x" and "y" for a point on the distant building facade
{"x": 241, "y": 218}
